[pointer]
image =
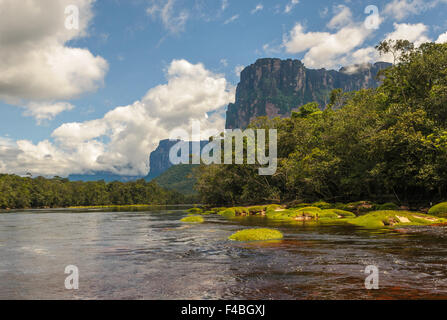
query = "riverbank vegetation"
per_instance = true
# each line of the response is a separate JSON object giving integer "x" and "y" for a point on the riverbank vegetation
{"x": 311, "y": 214}
{"x": 386, "y": 145}
{"x": 19, "y": 193}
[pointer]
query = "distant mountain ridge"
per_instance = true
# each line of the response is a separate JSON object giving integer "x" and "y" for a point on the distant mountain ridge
{"x": 274, "y": 87}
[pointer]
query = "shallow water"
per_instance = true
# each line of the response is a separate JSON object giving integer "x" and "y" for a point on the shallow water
{"x": 151, "y": 255}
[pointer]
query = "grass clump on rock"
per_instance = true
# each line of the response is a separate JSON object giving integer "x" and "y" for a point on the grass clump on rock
{"x": 256, "y": 235}
{"x": 439, "y": 209}
{"x": 193, "y": 219}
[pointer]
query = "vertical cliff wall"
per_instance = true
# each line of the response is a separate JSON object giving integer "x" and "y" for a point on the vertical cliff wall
{"x": 274, "y": 87}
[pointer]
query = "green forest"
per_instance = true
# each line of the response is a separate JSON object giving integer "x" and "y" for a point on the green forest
{"x": 19, "y": 192}
{"x": 387, "y": 144}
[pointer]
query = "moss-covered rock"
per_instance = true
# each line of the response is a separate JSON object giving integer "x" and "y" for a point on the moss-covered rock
{"x": 256, "y": 235}
{"x": 359, "y": 207}
{"x": 309, "y": 209}
{"x": 439, "y": 209}
{"x": 217, "y": 210}
{"x": 342, "y": 213}
{"x": 328, "y": 214}
{"x": 374, "y": 219}
{"x": 322, "y": 205}
{"x": 257, "y": 210}
{"x": 299, "y": 205}
{"x": 248, "y": 211}
{"x": 193, "y": 219}
{"x": 279, "y": 215}
{"x": 389, "y": 218}
{"x": 227, "y": 213}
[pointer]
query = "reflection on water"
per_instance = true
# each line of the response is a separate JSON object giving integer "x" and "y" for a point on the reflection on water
{"x": 151, "y": 255}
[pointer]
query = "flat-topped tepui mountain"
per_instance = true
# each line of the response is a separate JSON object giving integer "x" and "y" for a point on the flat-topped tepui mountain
{"x": 274, "y": 87}
{"x": 159, "y": 158}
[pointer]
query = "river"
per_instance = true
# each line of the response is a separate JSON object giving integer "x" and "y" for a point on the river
{"x": 152, "y": 255}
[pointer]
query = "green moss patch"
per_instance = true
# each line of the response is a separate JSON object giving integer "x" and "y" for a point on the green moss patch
{"x": 309, "y": 209}
{"x": 343, "y": 213}
{"x": 193, "y": 219}
{"x": 227, "y": 213}
{"x": 390, "y": 218}
{"x": 256, "y": 235}
{"x": 322, "y": 205}
{"x": 299, "y": 205}
{"x": 439, "y": 209}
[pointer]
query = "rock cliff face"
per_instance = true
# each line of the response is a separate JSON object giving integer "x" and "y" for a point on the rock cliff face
{"x": 274, "y": 87}
{"x": 159, "y": 158}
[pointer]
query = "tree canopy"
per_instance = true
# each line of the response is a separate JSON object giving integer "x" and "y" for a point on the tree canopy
{"x": 19, "y": 192}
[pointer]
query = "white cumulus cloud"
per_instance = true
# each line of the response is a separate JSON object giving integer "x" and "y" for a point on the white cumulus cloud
{"x": 416, "y": 33}
{"x": 46, "y": 111}
{"x": 442, "y": 38}
{"x": 324, "y": 49}
{"x": 122, "y": 140}
{"x": 37, "y": 67}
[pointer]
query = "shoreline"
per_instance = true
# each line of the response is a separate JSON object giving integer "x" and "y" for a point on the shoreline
{"x": 102, "y": 207}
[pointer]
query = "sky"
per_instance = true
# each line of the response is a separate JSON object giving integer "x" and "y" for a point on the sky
{"x": 91, "y": 85}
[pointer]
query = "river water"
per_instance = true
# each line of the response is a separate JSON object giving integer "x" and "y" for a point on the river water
{"x": 151, "y": 255}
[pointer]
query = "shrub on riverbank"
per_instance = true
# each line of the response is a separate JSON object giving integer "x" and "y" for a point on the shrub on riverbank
{"x": 256, "y": 235}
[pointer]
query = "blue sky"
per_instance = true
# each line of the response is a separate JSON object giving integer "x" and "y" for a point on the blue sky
{"x": 138, "y": 40}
